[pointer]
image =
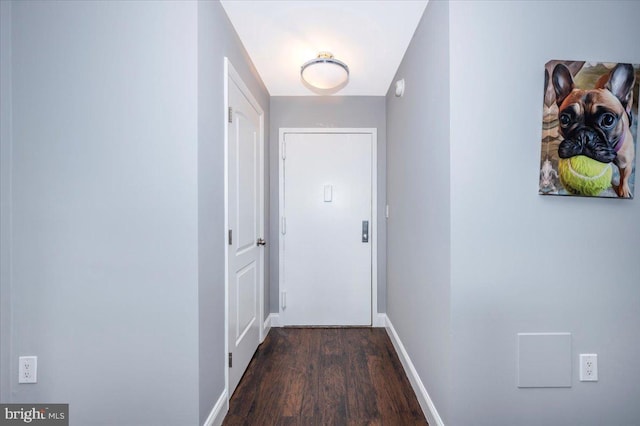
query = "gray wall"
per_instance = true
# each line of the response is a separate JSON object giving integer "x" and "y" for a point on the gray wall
{"x": 418, "y": 191}
{"x": 5, "y": 199}
{"x": 519, "y": 262}
{"x": 523, "y": 262}
{"x": 217, "y": 39}
{"x": 104, "y": 244}
{"x": 112, "y": 193}
{"x": 329, "y": 111}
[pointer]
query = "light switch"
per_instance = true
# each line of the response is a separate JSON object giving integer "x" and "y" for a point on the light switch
{"x": 328, "y": 193}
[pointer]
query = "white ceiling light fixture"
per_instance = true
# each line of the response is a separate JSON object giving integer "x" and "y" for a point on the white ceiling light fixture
{"x": 325, "y": 72}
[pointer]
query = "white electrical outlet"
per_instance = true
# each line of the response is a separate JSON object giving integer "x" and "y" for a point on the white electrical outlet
{"x": 28, "y": 369}
{"x": 588, "y": 367}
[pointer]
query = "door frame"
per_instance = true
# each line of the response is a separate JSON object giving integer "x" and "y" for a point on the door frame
{"x": 373, "y": 231}
{"x": 230, "y": 74}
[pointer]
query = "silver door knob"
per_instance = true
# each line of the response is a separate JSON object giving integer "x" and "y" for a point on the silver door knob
{"x": 261, "y": 242}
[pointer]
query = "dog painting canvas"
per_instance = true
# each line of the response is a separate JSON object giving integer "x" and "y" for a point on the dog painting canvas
{"x": 589, "y": 129}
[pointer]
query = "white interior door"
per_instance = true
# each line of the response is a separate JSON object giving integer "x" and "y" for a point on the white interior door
{"x": 327, "y": 203}
{"x": 245, "y": 256}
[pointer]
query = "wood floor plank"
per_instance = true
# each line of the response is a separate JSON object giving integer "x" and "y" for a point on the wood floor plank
{"x": 296, "y": 375}
{"x": 325, "y": 376}
{"x": 361, "y": 394}
{"x": 332, "y": 380}
{"x": 310, "y": 408}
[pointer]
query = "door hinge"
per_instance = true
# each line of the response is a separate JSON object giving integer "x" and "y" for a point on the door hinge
{"x": 230, "y": 115}
{"x": 284, "y": 150}
{"x": 284, "y": 225}
{"x": 230, "y": 237}
{"x": 230, "y": 360}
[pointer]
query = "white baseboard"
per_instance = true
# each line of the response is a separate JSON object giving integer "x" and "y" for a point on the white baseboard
{"x": 429, "y": 409}
{"x": 273, "y": 319}
{"x": 219, "y": 411}
{"x": 266, "y": 326}
{"x": 380, "y": 320}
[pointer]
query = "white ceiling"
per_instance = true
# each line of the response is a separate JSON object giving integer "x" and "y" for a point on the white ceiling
{"x": 369, "y": 36}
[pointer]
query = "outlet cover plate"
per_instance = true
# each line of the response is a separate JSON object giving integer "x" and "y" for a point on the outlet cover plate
{"x": 28, "y": 369}
{"x": 588, "y": 367}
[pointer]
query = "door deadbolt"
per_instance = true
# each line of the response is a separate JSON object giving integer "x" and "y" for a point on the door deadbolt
{"x": 261, "y": 242}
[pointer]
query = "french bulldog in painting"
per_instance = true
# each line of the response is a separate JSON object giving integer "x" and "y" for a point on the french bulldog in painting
{"x": 597, "y": 122}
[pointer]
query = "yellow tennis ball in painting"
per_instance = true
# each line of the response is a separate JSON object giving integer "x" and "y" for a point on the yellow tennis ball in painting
{"x": 584, "y": 176}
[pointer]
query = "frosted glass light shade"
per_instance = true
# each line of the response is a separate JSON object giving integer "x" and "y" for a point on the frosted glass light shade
{"x": 325, "y": 72}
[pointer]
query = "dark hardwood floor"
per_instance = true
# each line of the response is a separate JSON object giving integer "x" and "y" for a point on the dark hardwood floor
{"x": 325, "y": 376}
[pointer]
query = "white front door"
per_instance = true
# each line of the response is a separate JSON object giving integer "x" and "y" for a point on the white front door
{"x": 245, "y": 256}
{"x": 326, "y": 244}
